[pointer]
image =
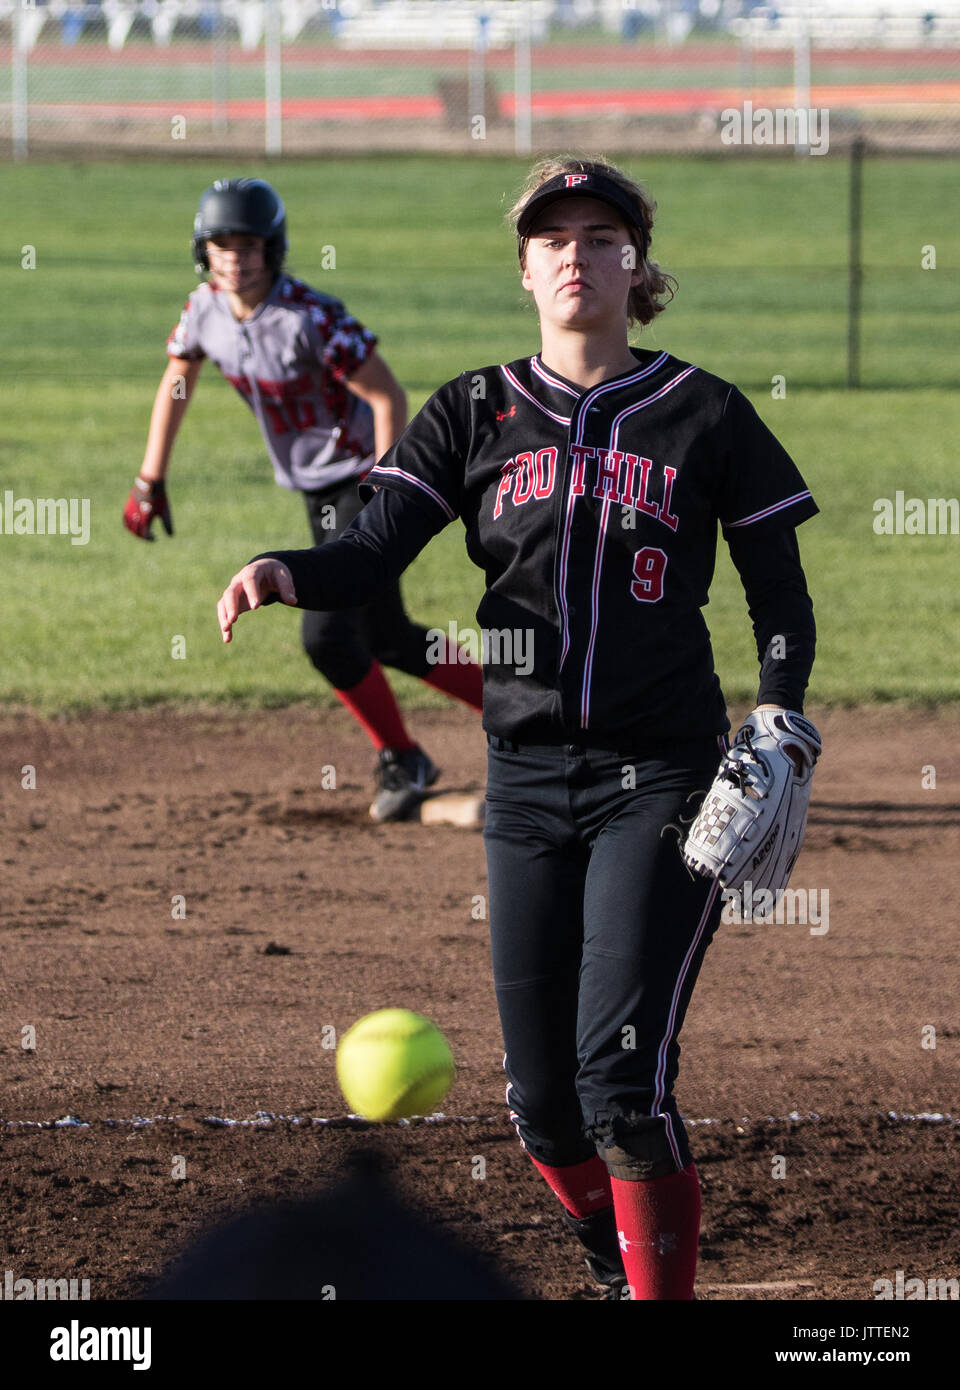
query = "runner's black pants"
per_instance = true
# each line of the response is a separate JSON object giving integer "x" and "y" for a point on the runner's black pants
{"x": 342, "y": 645}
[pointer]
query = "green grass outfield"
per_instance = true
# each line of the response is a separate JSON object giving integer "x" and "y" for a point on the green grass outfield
{"x": 103, "y": 79}
{"x": 422, "y": 256}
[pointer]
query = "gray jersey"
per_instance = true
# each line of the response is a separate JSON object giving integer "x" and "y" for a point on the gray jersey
{"x": 290, "y": 361}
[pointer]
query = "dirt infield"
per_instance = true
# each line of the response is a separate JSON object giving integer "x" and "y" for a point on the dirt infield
{"x": 187, "y": 908}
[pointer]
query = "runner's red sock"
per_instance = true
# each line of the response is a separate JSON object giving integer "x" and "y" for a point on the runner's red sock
{"x": 464, "y": 681}
{"x": 583, "y": 1188}
{"x": 373, "y": 704}
{"x": 658, "y": 1223}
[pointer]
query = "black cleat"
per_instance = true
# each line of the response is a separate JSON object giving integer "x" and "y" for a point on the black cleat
{"x": 598, "y": 1235}
{"x": 403, "y": 777}
{"x": 611, "y": 1283}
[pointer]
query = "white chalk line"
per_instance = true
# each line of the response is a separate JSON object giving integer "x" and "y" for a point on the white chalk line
{"x": 776, "y": 1284}
{"x": 264, "y": 1119}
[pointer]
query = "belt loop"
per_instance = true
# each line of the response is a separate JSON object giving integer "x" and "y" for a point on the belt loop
{"x": 502, "y": 745}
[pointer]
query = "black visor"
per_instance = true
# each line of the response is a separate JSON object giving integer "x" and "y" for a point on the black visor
{"x": 582, "y": 186}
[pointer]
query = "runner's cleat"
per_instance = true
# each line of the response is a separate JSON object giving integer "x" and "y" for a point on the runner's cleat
{"x": 403, "y": 776}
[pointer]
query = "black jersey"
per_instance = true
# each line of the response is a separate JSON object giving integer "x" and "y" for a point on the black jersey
{"x": 593, "y": 514}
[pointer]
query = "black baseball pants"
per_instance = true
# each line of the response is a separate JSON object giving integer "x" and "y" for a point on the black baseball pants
{"x": 598, "y": 932}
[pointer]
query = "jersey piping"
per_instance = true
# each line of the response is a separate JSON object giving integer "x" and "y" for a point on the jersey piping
{"x": 564, "y": 547}
{"x": 601, "y": 544}
{"x": 522, "y": 390}
{"x": 769, "y": 511}
{"x": 416, "y": 482}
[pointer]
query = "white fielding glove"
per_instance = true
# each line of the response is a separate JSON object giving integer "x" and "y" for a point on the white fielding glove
{"x": 750, "y": 826}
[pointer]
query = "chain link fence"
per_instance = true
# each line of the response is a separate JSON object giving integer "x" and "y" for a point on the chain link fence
{"x": 511, "y": 76}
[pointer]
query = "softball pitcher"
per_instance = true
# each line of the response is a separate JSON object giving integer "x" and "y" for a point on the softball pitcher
{"x": 591, "y": 479}
{"x": 327, "y": 405}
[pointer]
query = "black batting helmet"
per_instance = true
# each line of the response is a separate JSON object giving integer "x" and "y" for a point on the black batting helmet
{"x": 244, "y": 207}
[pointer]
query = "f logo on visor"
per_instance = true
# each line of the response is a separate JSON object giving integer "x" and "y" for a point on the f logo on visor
{"x": 571, "y": 180}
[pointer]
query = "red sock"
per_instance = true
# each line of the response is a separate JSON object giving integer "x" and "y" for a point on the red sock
{"x": 464, "y": 681}
{"x": 373, "y": 704}
{"x": 583, "y": 1188}
{"x": 658, "y": 1223}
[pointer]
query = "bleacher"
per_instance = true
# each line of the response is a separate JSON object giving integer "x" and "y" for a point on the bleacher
{"x": 463, "y": 24}
{"x": 243, "y": 19}
{"x": 853, "y": 24}
{"x": 442, "y": 24}
{"x": 414, "y": 24}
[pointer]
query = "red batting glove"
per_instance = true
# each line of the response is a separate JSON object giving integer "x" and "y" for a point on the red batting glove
{"x": 147, "y": 500}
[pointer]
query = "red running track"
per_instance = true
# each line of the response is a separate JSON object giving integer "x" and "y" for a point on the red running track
{"x": 602, "y": 100}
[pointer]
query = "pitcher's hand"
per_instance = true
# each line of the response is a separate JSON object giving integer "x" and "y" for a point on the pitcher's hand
{"x": 248, "y": 589}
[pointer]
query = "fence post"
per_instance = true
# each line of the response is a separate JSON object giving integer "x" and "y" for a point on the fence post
{"x": 745, "y": 66}
{"x": 273, "y": 78}
{"x": 219, "y": 70}
{"x": 18, "y": 60}
{"x": 801, "y": 81}
{"x": 522, "y": 134}
{"x": 477, "y": 82}
{"x": 855, "y": 259}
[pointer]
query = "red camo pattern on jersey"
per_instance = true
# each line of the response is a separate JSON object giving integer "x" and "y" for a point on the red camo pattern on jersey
{"x": 178, "y": 344}
{"x": 290, "y": 361}
{"x": 349, "y": 344}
